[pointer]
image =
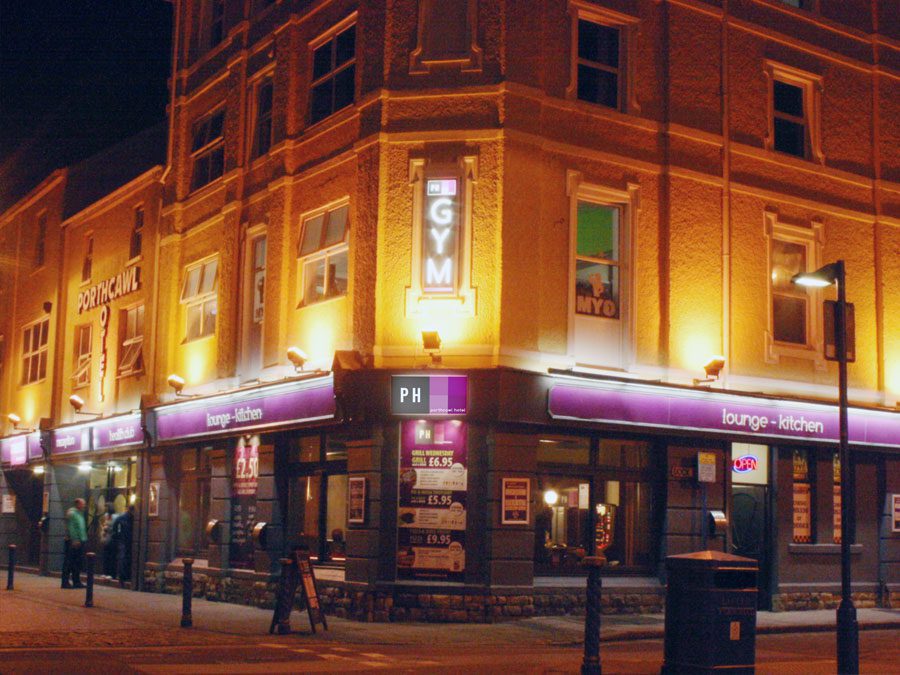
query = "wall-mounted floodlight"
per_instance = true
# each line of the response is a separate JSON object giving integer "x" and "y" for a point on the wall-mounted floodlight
{"x": 712, "y": 368}
{"x": 15, "y": 420}
{"x": 77, "y": 404}
{"x": 176, "y": 382}
{"x": 297, "y": 357}
{"x": 431, "y": 341}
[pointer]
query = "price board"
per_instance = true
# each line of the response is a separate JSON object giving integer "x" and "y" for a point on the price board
{"x": 431, "y": 513}
{"x": 706, "y": 467}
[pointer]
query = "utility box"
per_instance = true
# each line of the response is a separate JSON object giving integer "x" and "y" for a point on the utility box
{"x": 710, "y": 613}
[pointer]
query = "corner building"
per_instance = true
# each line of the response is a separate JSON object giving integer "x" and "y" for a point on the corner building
{"x": 437, "y": 283}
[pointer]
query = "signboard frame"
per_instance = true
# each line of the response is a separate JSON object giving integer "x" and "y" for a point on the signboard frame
{"x": 511, "y": 504}
{"x": 356, "y": 500}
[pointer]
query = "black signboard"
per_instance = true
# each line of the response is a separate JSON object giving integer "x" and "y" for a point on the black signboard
{"x": 297, "y": 572}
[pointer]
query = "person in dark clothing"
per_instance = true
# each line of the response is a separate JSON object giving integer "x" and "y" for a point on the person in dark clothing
{"x": 123, "y": 527}
{"x": 76, "y": 537}
{"x": 107, "y": 541}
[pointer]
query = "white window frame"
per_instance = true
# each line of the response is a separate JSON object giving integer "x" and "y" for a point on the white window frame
{"x": 81, "y": 360}
{"x": 810, "y": 237}
{"x": 811, "y": 86}
{"x": 253, "y": 142}
{"x": 324, "y": 253}
{"x": 200, "y": 299}
{"x": 131, "y": 349}
{"x": 28, "y": 355}
{"x": 464, "y": 301}
{"x": 628, "y": 202}
{"x": 628, "y": 29}
{"x": 420, "y": 63}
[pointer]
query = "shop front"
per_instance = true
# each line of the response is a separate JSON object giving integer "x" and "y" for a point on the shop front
{"x": 98, "y": 462}
{"x": 22, "y": 503}
{"x": 236, "y": 480}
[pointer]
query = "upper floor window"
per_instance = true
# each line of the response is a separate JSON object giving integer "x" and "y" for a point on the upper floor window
{"x": 323, "y": 255}
{"x": 793, "y": 317}
{"x": 794, "y": 112}
{"x": 597, "y": 260}
{"x": 40, "y": 245}
{"x": 599, "y": 70}
{"x": 131, "y": 351}
{"x": 199, "y": 295}
{"x": 81, "y": 372}
{"x": 262, "y": 127}
{"x": 137, "y": 233}
{"x": 216, "y": 22}
{"x": 87, "y": 263}
{"x": 334, "y": 75}
{"x": 34, "y": 351}
{"x": 208, "y": 150}
{"x": 258, "y": 272}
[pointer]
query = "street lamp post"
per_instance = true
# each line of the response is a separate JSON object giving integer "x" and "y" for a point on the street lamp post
{"x": 847, "y": 627}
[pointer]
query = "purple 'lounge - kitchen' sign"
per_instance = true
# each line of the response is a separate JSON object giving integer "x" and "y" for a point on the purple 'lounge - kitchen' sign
{"x": 118, "y": 431}
{"x": 17, "y": 450}
{"x": 622, "y": 403}
{"x": 257, "y": 408}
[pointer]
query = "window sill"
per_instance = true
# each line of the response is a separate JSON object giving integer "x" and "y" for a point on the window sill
{"x": 822, "y": 549}
{"x": 189, "y": 341}
{"x": 323, "y": 301}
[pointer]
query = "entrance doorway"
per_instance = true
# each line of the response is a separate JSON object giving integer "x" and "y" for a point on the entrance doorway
{"x": 750, "y": 512}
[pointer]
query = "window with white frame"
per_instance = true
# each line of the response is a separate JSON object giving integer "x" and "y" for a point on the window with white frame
{"x": 262, "y": 124}
{"x": 199, "y": 296}
{"x": 794, "y": 112}
{"x": 137, "y": 233}
{"x": 794, "y": 316}
{"x": 323, "y": 255}
{"x": 131, "y": 351}
{"x": 333, "y": 84}
{"x": 34, "y": 351}
{"x": 258, "y": 280}
{"x": 81, "y": 370}
{"x": 208, "y": 150}
{"x": 597, "y": 260}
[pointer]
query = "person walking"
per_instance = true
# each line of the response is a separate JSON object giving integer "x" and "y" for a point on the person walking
{"x": 76, "y": 536}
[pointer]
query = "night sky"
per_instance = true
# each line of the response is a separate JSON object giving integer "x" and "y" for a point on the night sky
{"x": 75, "y": 77}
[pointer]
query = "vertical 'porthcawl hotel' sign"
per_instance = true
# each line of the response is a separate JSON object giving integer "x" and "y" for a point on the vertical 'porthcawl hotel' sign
{"x": 440, "y": 241}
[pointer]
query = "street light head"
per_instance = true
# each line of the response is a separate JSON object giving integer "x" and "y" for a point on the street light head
{"x": 822, "y": 277}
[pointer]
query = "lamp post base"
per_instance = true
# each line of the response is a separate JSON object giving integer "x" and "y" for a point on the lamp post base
{"x": 847, "y": 638}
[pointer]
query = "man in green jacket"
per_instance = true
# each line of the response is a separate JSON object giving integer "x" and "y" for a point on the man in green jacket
{"x": 76, "y": 538}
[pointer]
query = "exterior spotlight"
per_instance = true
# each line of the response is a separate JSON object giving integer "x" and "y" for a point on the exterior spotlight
{"x": 551, "y": 497}
{"x": 712, "y": 368}
{"x": 14, "y": 419}
{"x": 176, "y": 382}
{"x": 297, "y": 357}
{"x": 822, "y": 277}
{"x": 77, "y": 404}
{"x": 431, "y": 341}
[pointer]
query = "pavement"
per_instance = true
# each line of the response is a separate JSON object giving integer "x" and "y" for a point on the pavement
{"x": 38, "y": 614}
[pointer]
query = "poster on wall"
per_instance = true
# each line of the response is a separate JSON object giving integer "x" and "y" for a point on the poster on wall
{"x": 515, "y": 501}
{"x": 431, "y": 513}
{"x": 244, "y": 483}
{"x": 895, "y": 513}
{"x": 802, "y": 514}
{"x": 837, "y": 514}
{"x": 153, "y": 500}
{"x": 9, "y": 503}
{"x": 356, "y": 500}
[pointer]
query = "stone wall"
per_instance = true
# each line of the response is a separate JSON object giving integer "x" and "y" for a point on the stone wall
{"x": 790, "y": 602}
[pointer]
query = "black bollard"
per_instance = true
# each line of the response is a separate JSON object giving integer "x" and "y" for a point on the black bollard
{"x": 187, "y": 592}
{"x": 285, "y": 598}
{"x": 89, "y": 588}
{"x": 591, "y": 663}
{"x": 11, "y": 570}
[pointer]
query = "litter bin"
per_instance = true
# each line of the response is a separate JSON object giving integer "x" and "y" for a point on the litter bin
{"x": 710, "y": 613}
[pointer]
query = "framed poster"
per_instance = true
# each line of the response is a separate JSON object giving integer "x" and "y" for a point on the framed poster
{"x": 802, "y": 514}
{"x": 706, "y": 467}
{"x": 895, "y": 513}
{"x": 9, "y": 503}
{"x": 515, "y": 501}
{"x": 153, "y": 500}
{"x": 356, "y": 500}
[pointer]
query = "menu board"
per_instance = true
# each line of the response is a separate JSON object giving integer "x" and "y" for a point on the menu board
{"x": 515, "y": 501}
{"x": 802, "y": 514}
{"x": 431, "y": 513}
{"x": 245, "y": 479}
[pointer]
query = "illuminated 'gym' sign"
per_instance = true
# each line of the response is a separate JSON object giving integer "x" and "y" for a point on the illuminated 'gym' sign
{"x": 440, "y": 240}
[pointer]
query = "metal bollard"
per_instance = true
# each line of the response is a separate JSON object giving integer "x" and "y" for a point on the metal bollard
{"x": 187, "y": 592}
{"x": 11, "y": 570}
{"x": 89, "y": 588}
{"x": 284, "y": 597}
{"x": 591, "y": 663}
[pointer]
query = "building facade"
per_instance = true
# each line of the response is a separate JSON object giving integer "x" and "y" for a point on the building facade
{"x": 435, "y": 284}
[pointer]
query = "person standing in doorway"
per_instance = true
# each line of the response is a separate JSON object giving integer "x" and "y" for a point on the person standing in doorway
{"x": 108, "y": 541}
{"x": 76, "y": 536}
{"x": 123, "y": 527}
